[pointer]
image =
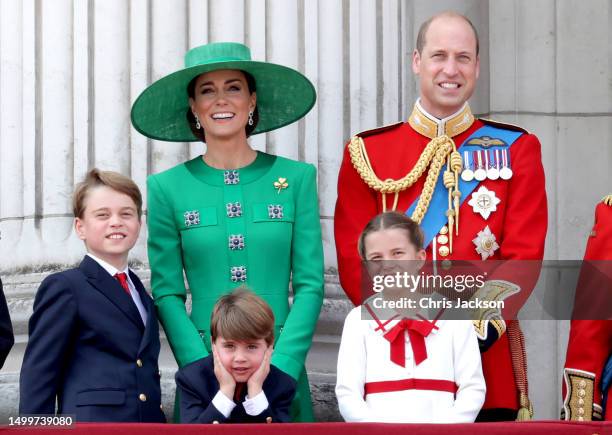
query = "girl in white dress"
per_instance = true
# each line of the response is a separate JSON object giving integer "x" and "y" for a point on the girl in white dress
{"x": 394, "y": 367}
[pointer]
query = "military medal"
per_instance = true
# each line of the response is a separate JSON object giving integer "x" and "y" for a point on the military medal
{"x": 493, "y": 170}
{"x": 505, "y": 172}
{"x": 480, "y": 174}
{"x": 485, "y": 242}
{"x": 467, "y": 174}
{"x": 484, "y": 202}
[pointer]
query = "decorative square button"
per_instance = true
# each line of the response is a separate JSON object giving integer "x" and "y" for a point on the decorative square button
{"x": 275, "y": 211}
{"x": 234, "y": 209}
{"x": 192, "y": 218}
{"x": 238, "y": 273}
{"x": 231, "y": 177}
{"x": 236, "y": 242}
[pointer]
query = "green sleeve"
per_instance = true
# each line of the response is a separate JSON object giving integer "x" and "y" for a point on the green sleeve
{"x": 307, "y": 280}
{"x": 167, "y": 283}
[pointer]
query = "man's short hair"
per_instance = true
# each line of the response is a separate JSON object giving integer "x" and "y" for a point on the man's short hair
{"x": 425, "y": 26}
{"x": 242, "y": 316}
{"x": 113, "y": 180}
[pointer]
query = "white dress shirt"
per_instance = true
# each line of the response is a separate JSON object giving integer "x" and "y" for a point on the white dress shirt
{"x": 112, "y": 270}
{"x": 254, "y": 406}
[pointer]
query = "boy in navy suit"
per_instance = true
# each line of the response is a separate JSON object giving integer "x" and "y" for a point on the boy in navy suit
{"x": 237, "y": 383}
{"x": 94, "y": 338}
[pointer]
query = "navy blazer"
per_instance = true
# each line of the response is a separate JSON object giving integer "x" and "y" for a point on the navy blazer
{"x": 89, "y": 348}
{"x": 6, "y": 329}
{"x": 197, "y": 385}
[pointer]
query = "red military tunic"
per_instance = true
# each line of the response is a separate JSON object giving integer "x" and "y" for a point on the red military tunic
{"x": 590, "y": 341}
{"x": 519, "y": 224}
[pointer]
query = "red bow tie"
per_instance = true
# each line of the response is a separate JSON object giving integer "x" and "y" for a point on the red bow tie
{"x": 417, "y": 331}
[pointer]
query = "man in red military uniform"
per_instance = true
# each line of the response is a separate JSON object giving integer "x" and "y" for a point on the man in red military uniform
{"x": 590, "y": 341}
{"x": 496, "y": 210}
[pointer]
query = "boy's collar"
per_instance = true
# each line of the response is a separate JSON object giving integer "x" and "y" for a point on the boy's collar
{"x": 112, "y": 270}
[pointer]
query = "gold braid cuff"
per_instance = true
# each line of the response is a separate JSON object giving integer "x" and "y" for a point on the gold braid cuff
{"x": 580, "y": 403}
{"x": 438, "y": 151}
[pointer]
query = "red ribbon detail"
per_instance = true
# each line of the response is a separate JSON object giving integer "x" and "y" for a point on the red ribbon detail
{"x": 410, "y": 384}
{"x": 417, "y": 331}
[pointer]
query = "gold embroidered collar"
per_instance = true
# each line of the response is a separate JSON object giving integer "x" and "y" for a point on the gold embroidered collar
{"x": 432, "y": 127}
{"x": 440, "y": 152}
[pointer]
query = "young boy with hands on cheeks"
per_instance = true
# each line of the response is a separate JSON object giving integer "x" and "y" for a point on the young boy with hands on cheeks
{"x": 237, "y": 383}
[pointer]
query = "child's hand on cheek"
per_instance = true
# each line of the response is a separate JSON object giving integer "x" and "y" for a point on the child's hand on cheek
{"x": 255, "y": 382}
{"x": 227, "y": 384}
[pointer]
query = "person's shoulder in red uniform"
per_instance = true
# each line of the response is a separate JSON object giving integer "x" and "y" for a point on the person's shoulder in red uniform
{"x": 379, "y": 130}
{"x": 590, "y": 341}
{"x": 503, "y": 125}
{"x": 600, "y": 238}
{"x": 380, "y": 136}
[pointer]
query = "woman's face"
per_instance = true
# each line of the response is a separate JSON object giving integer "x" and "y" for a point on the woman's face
{"x": 222, "y": 103}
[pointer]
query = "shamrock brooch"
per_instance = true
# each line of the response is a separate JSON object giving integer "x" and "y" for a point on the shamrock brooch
{"x": 281, "y": 184}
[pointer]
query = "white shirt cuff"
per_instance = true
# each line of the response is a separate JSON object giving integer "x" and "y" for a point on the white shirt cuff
{"x": 256, "y": 405}
{"x": 224, "y": 405}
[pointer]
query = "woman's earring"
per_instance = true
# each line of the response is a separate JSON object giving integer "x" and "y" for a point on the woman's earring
{"x": 251, "y": 122}
{"x": 198, "y": 125}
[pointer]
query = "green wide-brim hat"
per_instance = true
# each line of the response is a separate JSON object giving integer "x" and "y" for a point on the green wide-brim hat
{"x": 283, "y": 94}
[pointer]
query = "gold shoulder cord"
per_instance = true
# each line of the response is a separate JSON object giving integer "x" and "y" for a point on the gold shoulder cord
{"x": 438, "y": 151}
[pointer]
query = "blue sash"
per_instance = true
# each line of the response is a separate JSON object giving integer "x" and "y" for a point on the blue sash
{"x": 436, "y": 217}
{"x": 606, "y": 380}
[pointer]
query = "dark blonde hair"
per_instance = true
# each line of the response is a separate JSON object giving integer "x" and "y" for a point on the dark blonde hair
{"x": 242, "y": 316}
{"x": 391, "y": 220}
{"x": 113, "y": 180}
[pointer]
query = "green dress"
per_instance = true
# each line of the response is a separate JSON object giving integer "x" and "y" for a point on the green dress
{"x": 225, "y": 229}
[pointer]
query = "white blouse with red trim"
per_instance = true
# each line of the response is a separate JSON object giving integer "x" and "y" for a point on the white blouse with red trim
{"x": 447, "y": 387}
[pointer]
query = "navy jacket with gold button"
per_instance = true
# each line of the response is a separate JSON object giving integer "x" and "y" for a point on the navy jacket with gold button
{"x": 89, "y": 349}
